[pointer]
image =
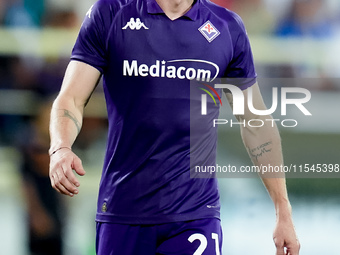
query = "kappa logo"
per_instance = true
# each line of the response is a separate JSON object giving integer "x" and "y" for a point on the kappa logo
{"x": 209, "y": 31}
{"x": 132, "y": 24}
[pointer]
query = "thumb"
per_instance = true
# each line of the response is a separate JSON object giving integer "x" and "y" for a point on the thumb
{"x": 78, "y": 166}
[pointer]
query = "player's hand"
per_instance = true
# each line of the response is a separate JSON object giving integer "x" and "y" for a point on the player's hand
{"x": 62, "y": 177}
{"x": 285, "y": 237}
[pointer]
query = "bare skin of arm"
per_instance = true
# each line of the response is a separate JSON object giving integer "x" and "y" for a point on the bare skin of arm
{"x": 264, "y": 147}
{"x": 65, "y": 123}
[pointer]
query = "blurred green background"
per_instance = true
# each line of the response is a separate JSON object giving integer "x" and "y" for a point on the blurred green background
{"x": 291, "y": 39}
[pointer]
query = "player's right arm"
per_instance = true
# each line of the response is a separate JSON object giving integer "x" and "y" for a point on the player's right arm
{"x": 66, "y": 120}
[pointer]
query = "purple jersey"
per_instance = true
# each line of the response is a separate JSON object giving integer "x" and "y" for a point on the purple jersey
{"x": 147, "y": 62}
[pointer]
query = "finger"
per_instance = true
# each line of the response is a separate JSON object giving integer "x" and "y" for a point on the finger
{"x": 65, "y": 185}
{"x": 293, "y": 249}
{"x": 71, "y": 177}
{"x": 279, "y": 247}
{"x": 54, "y": 184}
{"x": 52, "y": 180}
{"x": 71, "y": 182}
{"x": 63, "y": 190}
{"x": 280, "y": 251}
{"x": 58, "y": 186}
{"x": 78, "y": 166}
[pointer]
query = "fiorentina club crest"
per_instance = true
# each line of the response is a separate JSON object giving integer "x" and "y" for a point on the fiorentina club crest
{"x": 209, "y": 31}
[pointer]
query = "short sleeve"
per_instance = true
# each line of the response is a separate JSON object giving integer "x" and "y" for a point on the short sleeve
{"x": 90, "y": 46}
{"x": 241, "y": 69}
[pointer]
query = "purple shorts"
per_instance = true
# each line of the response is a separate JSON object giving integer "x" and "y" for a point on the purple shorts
{"x": 178, "y": 238}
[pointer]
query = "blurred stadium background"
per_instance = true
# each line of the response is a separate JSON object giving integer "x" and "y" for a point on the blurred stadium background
{"x": 290, "y": 39}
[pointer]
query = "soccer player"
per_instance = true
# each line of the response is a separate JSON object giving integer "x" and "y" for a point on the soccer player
{"x": 149, "y": 52}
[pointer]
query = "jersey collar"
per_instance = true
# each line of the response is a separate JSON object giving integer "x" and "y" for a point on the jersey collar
{"x": 154, "y": 8}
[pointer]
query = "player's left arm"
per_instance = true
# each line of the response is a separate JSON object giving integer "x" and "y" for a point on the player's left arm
{"x": 264, "y": 148}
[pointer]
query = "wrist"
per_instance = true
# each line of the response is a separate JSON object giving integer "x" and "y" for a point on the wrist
{"x": 283, "y": 209}
{"x": 53, "y": 150}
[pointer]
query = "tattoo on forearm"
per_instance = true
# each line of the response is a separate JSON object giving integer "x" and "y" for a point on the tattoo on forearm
{"x": 71, "y": 116}
{"x": 259, "y": 151}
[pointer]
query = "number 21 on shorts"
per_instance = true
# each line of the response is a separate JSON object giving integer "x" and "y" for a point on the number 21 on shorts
{"x": 204, "y": 243}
